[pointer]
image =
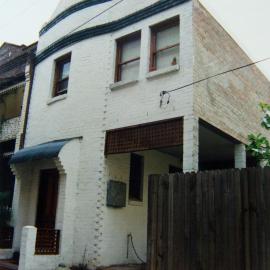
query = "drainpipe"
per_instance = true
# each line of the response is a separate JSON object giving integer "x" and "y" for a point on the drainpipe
{"x": 29, "y": 75}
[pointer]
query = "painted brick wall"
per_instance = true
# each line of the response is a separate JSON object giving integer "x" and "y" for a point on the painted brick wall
{"x": 73, "y": 21}
{"x": 118, "y": 223}
{"x": 91, "y": 108}
{"x": 26, "y": 205}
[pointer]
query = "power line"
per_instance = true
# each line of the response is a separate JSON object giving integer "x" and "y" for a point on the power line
{"x": 163, "y": 93}
{"x": 96, "y": 16}
{"x": 25, "y": 10}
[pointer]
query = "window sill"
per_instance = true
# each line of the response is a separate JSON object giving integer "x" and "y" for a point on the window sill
{"x": 55, "y": 99}
{"x": 122, "y": 84}
{"x": 163, "y": 71}
{"x": 135, "y": 203}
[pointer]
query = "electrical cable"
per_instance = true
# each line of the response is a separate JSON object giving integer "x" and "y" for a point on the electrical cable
{"x": 130, "y": 240}
{"x": 163, "y": 93}
{"x": 25, "y": 10}
{"x": 96, "y": 16}
{"x": 92, "y": 18}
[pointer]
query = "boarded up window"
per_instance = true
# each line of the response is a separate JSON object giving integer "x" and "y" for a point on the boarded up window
{"x": 145, "y": 137}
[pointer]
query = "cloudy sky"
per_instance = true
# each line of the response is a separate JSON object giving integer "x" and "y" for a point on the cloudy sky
{"x": 20, "y": 20}
{"x": 248, "y": 22}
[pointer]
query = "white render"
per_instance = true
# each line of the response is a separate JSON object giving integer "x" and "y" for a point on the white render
{"x": 25, "y": 201}
{"x": 93, "y": 105}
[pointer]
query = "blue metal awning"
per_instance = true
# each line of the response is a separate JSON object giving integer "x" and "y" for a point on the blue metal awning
{"x": 38, "y": 152}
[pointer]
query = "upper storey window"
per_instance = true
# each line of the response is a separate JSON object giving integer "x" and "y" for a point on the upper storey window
{"x": 128, "y": 58}
{"x": 62, "y": 67}
{"x": 165, "y": 43}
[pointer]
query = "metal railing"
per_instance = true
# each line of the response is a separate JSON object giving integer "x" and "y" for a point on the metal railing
{"x": 47, "y": 242}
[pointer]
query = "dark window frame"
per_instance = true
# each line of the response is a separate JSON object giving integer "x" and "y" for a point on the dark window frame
{"x": 175, "y": 21}
{"x": 139, "y": 190}
{"x": 119, "y": 49}
{"x": 59, "y": 63}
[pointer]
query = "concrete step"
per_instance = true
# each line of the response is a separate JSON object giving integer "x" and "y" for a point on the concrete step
{"x": 8, "y": 265}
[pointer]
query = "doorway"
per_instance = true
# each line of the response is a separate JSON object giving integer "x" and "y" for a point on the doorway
{"x": 47, "y": 199}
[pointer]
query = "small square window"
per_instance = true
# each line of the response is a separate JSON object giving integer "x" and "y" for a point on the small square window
{"x": 165, "y": 43}
{"x": 136, "y": 177}
{"x": 128, "y": 58}
{"x": 61, "y": 76}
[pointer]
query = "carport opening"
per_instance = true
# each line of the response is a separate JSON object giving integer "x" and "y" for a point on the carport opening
{"x": 216, "y": 149}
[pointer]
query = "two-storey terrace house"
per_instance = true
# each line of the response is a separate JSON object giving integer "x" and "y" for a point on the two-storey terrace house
{"x": 102, "y": 119}
{"x": 13, "y": 62}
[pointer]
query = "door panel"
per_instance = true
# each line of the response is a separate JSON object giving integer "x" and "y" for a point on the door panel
{"x": 47, "y": 199}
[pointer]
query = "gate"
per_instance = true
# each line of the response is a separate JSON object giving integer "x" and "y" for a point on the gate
{"x": 213, "y": 220}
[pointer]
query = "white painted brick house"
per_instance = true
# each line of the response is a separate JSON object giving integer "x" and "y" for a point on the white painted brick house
{"x": 96, "y": 115}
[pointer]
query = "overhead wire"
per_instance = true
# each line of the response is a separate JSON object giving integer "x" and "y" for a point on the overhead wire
{"x": 96, "y": 16}
{"x": 167, "y": 92}
{"x": 22, "y": 12}
{"x": 164, "y": 92}
{"x": 91, "y": 19}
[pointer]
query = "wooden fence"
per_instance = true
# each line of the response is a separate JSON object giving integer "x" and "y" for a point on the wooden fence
{"x": 210, "y": 221}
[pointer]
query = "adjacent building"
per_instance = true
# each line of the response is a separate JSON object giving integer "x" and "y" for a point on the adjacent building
{"x": 13, "y": 62}
{"x": 120, "y": 93}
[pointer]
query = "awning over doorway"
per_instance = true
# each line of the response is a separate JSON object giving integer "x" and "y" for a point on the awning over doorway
{"x": 148, "y": 136}
{"x": 38, "y": 152}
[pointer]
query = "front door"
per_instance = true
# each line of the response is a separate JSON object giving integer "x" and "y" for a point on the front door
{"x": 47, "y": 199}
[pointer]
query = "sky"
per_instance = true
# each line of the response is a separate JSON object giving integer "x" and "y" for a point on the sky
{"x": 21, "y": 20}
{"x": 247, "y": 21}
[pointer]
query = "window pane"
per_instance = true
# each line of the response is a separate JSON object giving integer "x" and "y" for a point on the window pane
{"x": 65, "y": 70}
{"x": 131, "y": 50}
{"x": 168, "y": 58}
{"x": 130, "y": 71}
{"x": 62, "y": 86}
{"x": 168, "y": 37}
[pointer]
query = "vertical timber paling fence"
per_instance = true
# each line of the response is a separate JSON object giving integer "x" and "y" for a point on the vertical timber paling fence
{"x": 212, "y": 220}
